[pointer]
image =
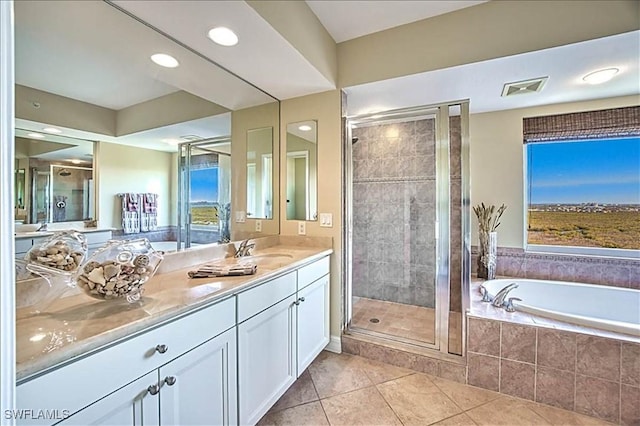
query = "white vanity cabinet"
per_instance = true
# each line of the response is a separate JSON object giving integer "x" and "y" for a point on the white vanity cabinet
{"x": 130, "y": 405}
{"x": 197, "y": 350}
{"x": 200, "y": 387}
{"x": 286, "y": 325}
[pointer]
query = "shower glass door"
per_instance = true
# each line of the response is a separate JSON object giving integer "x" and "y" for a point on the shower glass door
{"x": 394, "y": 218}
{"x": 204, "y": 184}
{"x": 406, "y": 219}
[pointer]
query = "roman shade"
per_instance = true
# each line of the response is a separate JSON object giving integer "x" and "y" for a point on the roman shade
{"x": 602, "y": 124}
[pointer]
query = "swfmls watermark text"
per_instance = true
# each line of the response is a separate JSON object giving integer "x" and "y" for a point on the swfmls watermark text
{"x": 31, "y": 414}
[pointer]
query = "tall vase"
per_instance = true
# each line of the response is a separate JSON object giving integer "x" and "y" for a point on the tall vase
{"x": 487, "y": 255}
{"x": 225, "y": 232}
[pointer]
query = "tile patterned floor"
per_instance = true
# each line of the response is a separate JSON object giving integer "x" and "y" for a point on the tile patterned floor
{"x": 351, "y": 390}
{"x": 400, "y": 320}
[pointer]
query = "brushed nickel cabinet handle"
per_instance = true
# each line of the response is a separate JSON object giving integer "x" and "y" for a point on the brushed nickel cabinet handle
{"x": 170, "y": 380}
{"x": 162, "y": 348}
{"x": 153, "y": 389}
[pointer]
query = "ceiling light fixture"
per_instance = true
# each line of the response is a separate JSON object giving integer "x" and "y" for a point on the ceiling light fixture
{"x": 52, "y": 130}
{"x": 171, "y": 141}
{"x": 600, "y": 76}
{"x": 304, "y": 127}
{"x": 36, "y": 135}
{"x": 74, "y": 161}
{"x": 165, "y": 60}
{"x": 223, "y": 36}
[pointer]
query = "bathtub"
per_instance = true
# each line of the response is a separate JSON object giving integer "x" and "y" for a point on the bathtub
{"x": 607, "y": 308}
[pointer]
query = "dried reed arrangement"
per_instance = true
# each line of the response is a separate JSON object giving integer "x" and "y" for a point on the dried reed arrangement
{"x": 486, "y": 221}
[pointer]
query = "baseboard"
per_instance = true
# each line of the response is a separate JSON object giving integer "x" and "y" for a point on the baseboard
{"x": 335, "y": 345}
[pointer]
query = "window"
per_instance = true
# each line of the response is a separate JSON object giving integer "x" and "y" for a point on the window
{"x": 583, "y": 185}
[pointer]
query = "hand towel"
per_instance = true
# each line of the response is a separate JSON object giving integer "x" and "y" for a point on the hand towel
{"x": 222, "y": 270}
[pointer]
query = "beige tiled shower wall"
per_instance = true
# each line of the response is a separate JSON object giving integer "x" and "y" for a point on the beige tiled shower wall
{"x": 517, "y": 263}
{"x": 591, "y": 375}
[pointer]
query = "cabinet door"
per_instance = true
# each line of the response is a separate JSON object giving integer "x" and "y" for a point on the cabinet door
{"x": 200, "y": 387}
{"x": 266, "y": 349}
{"x": 130, "y": 405}
{"x": 313, "y": 322}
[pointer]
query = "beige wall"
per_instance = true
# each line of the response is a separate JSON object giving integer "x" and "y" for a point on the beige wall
{"x": 496, "y": 161}
{"x": 129, "y": 169}
{"x": 241, "y": 122}
{"x": 297, "y": 23}
{"x": 486, "y": 31}
{"x": 325, "y": 108}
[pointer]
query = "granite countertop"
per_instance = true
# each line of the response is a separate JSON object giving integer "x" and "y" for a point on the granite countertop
{"x": 77, "y": 325}
{"x": 35, "y": 234}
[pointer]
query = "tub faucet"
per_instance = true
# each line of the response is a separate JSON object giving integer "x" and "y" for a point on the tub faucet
{"x": 243, "y": 249}
{"x": 499, "y": 298}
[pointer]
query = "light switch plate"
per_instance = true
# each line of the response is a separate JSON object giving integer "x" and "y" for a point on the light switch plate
{"x": 258, "y": 225}
{"x": 302, "y": 228}
{"x": 240, "y": 217}
{"x": 326, "y": 220}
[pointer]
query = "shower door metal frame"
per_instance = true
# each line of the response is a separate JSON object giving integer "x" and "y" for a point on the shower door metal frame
{"x": 440, "y": 346}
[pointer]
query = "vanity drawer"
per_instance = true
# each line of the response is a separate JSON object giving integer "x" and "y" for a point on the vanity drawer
{"x": 310, "y": 273}
{"x": 261, "y": 297}
{"x": 109, "y": 369}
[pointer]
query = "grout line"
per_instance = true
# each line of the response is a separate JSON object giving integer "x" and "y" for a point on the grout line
{"x": 388, "y": 405}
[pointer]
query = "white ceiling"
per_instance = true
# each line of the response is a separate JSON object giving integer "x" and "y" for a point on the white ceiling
{"x": 482, "y": 82}
{"x": 349, "y": 19}
{"x": 262, "y": 56}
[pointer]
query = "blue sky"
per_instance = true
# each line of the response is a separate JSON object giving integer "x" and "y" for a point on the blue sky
{"x": 583, "y": 172}
{"x": 204, "y": 185}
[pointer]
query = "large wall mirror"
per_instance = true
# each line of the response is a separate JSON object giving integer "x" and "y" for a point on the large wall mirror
{"x": 56, "y": 180}
{"x": 260, "y": 173}
{"x": 84, "y": 71}
{"x": 302, "y": 171}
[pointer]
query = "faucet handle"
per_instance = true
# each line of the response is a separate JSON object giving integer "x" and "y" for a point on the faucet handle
{"x": 508, "y": 306}
{"x": 486, "y": 297}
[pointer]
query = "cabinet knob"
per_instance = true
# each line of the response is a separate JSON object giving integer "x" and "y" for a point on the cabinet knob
{"x": 297, "y": 302}
{"x": 301, "y": 299}
{"x": 162, "y": 348}
{"x": 153, "y": 389}
{"x": 170, "y": 380}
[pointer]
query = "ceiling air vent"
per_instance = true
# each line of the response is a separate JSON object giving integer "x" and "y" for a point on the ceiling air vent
{"x": 526, "y": 86}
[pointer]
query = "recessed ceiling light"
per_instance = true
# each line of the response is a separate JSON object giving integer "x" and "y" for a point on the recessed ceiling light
{"x": 223, "y": 36}
{"x": 36, "y": 135}
{"x": 304, "y": 127}
{"x": 74, "y": 161}
{"x": 600, "y": 76}
{"x": 165, "y": 60}
{"x": 52, "y": 130}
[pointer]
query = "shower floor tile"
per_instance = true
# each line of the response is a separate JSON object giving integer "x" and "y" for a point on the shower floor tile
{"x": 395, "y": 319}
{"x": 399, "y": 320}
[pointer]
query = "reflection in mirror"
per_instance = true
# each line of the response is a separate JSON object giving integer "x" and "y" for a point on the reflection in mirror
{"x": 83, "y": 70}
{"x": 56, "y": 178}
{"x": 260, "y": 173}
{"x": 301, "y": 167}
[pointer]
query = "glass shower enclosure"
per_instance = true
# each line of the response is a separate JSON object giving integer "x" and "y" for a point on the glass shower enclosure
{"x": 407, "y": 214}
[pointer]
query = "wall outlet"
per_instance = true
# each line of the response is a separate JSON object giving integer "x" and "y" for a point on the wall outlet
{"x": 326, "y": 220}
{"x": 302, "y": 228}
{"x": 240, "y": 217}
{"x": 258, "y": 225}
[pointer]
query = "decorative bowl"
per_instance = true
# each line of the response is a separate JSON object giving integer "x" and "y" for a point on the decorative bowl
{"x": 62, "y": 252}
{"x": 119, "y": 270}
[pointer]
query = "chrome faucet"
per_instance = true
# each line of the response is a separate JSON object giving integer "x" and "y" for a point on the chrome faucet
{"x": 243, "y": 249}
{"x": 499, "y": 298}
